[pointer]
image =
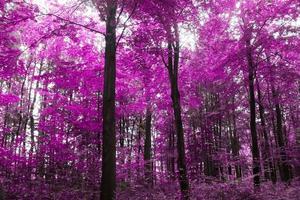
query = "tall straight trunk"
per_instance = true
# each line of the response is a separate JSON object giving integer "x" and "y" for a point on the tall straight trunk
{"x": 31, "y": 118}
{"x": 41, "y": 169}
{"x": 173, "y": 76}
{"x": 269, "y": 171}
{"x": 284, "y": 167}
{"x": 295, "y": 120}
{"x": 235, "y": 145}
{"x": 254, "y": 149}
{"x": 147, "y": 149}
{"x": 108, "y": 178}
{"x": 139, "y": 137}
{"x": 171, "y": 149}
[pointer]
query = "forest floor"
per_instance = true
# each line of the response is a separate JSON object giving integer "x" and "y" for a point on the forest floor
{"x": 242, "y": 190}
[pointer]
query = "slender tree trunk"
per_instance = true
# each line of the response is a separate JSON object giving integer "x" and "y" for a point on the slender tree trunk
{"x": 173, "y": 76}
{"x": 235, "y": 144}
{"x": 147, "y": 149}
{"x": 139, "y": 137}
{"x": 41, "y": 169}
{"x": 108, "y": 178}
{"x": 269, "y": 171}
{"x": 254, "y": 149}
{"x": 31, "y": 118}
{"x": 284, "y": 167}
{"x": 295, "y": 120}
{"x": 171, "y": 152}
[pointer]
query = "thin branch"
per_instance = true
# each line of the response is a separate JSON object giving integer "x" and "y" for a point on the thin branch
{"x": 77, "y": 24}
{"x": 121, "y": 12}
{"x": 130, "y": 15}
{"x": 40, "y": 39}
{"x": 77, "y": 6}
{"x": 164, "y": 61}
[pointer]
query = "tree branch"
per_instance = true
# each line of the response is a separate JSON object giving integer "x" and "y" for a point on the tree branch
{"x": 130, "y": 15}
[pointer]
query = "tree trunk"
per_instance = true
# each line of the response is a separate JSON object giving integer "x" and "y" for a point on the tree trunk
{"x": 173, "y": 76}
{"x": 108, "y": 178}
{"x": 235, "y": 143}
{"x": 269, "y": 171}
{"x": 147, "y": 149}
{"x": 171, "y": 152}
{"x": 296, "y": 125}
{"x": 284, "y": 167}
{"x": 254, "y": 149}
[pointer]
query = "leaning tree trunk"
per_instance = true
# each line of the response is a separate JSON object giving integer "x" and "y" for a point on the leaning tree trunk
{"x": 108, "y": 178}
{"x": 173, "y": 76}
{"x": 254, "y": 149}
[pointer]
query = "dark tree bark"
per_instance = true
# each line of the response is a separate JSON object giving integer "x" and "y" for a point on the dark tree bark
{"x": 295, "y": 120}
{"x": 108, "y": 178}
{"x": 171, "y": 152}
{"x": 2, "y": 194}
{"x": 147, "y": 149}
{"x": 139, "y": 144}
{"x": 235, "y": 144}
{"x": 284, "y": 166}
{"x": 269, "y": 171}
{"x": 175, "y": 95}
{"x": 254, "y": 149}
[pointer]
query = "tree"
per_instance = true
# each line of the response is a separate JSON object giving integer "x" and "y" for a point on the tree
{"x": 108, "y": 178}
{"x": 172, "y": 66}
{"x": 251, "y": 72}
